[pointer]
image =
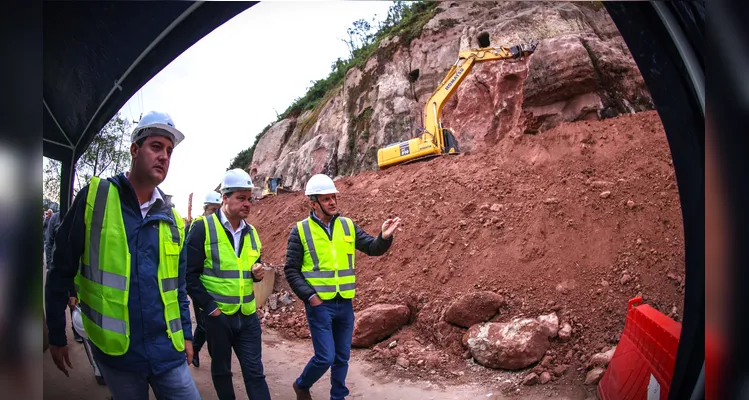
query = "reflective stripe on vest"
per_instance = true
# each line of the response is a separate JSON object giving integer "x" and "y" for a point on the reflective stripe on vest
{"x": 103, "y": 277}
{"x": 226, "y": 277}
{"x": 328, "y": 265}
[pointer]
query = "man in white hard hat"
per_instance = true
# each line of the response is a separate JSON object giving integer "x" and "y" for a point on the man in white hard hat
{"x": 320, "y": 270}
{"x": 211, "y": 203}
{"x": 223, "y": 261}
{"x": 120, "y": 243}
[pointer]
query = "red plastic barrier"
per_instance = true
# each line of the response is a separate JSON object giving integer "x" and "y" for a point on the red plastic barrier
{"x": 643, "y": 363}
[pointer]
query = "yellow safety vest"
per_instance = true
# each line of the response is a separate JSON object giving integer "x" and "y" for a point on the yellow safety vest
{"x": 226, "y": 277}
{"x": 328, "y": 265}
{"x": 103, "y": 279}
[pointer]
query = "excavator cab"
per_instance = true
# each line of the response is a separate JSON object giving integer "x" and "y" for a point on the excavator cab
{"x": 274, "y": 186}
{"x": 422, "y": 147}
{"x": 271, "y": 186}
{"x": 401, "y": 152}
{"x": 451, "y": 143}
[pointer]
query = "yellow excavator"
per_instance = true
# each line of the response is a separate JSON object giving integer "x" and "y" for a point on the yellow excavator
{"x": 273, "y": 186}
{"x": 435, "y": 139}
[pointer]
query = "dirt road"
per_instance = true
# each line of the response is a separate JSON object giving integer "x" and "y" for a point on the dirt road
{"x": 283, "y": 360}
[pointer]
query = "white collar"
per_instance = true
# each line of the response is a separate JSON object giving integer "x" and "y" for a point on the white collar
{"x": 155, "y": 196}
{"x": 225, "y": 222}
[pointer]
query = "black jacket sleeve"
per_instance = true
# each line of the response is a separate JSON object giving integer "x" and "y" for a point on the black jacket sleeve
{"x": 369, "y": 245}
{"x": 67, "y": 249}
{"x": 293, "y": 267}
{"x": 195, "y": 255}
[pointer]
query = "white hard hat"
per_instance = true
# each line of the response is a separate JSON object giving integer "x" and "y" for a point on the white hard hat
{"x": 212, "y": 198}
{"x": 78, "y": 322}
{"x": 157, "y": 123}
{"x": 320, "y": 184}
{"x": 236, "y": 179}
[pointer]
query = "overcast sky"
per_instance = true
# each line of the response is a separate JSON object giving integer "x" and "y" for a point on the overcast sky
{"x": 223, "y": 90}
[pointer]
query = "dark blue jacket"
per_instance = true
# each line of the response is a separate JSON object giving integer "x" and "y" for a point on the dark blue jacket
{"x": 371, "y": 246}
{"x": 151, "y": 350}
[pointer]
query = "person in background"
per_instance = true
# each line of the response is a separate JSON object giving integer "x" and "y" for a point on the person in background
{"x": 49, "y": 242}
{"x": 50, "y": 230}
{"x": 211, "y": 203}
{"x": 45, "y": 219}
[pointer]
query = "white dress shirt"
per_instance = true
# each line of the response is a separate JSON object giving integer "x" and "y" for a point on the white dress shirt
{"x": 235, "y": 234}
{"x": 146, "y": 207}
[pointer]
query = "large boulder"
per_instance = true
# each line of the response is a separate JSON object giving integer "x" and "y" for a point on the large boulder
{"x": 560, "y": 69}
{"x": 513, "y": 345}
{"x": 474, "y": 308}
{"x": 377, "y": 323}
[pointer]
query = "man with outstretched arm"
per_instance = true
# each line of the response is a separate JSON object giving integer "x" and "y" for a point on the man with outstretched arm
{"x": 320, "y": 270}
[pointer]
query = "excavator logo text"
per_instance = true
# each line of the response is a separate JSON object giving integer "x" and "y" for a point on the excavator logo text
{"x": 457, "y": 75}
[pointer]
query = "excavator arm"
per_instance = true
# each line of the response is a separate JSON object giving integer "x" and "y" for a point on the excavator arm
{"x": 453, "y": 79}
{"x": 434, "y": 139}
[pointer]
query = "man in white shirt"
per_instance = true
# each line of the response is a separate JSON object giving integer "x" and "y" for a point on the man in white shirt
{"x": 223, "y": 261}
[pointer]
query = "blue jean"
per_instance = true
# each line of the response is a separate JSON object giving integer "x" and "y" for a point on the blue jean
{"x": 331, "y": 325}
{"x": 243, "y": 333}
{"x": 176, "y": 384}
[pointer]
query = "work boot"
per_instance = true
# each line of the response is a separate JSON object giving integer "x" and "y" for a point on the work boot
{"x": 196, "y": 360}
{"x": 301, "y": 394}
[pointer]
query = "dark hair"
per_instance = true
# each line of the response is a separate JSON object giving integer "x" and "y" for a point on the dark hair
{"x": 140, "y": 142}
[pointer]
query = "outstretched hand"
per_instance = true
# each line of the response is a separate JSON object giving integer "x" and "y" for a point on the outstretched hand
{"x": 389, "y": 226}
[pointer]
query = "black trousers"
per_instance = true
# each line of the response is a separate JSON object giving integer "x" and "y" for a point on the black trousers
{"x": 243, "y": 334}
{"x": 198, "y": 338}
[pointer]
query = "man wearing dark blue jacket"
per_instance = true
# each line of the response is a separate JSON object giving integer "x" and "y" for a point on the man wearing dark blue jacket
{"x": 121, "y": 243}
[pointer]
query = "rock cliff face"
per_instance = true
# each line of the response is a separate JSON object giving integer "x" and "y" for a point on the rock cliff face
{"x": 581, "y": 70}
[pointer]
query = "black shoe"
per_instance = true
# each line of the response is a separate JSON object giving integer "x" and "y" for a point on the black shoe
{"x": 100, "y": 381}
{"x": 196, "y": 360}
{"x": 301, "y": 394}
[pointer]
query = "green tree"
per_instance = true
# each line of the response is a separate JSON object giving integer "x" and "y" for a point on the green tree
{"x": 108, "y": 155}
{"x": 51, "y": 180}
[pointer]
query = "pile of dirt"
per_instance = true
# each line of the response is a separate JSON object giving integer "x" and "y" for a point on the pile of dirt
{"x": 577, "y": 221}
